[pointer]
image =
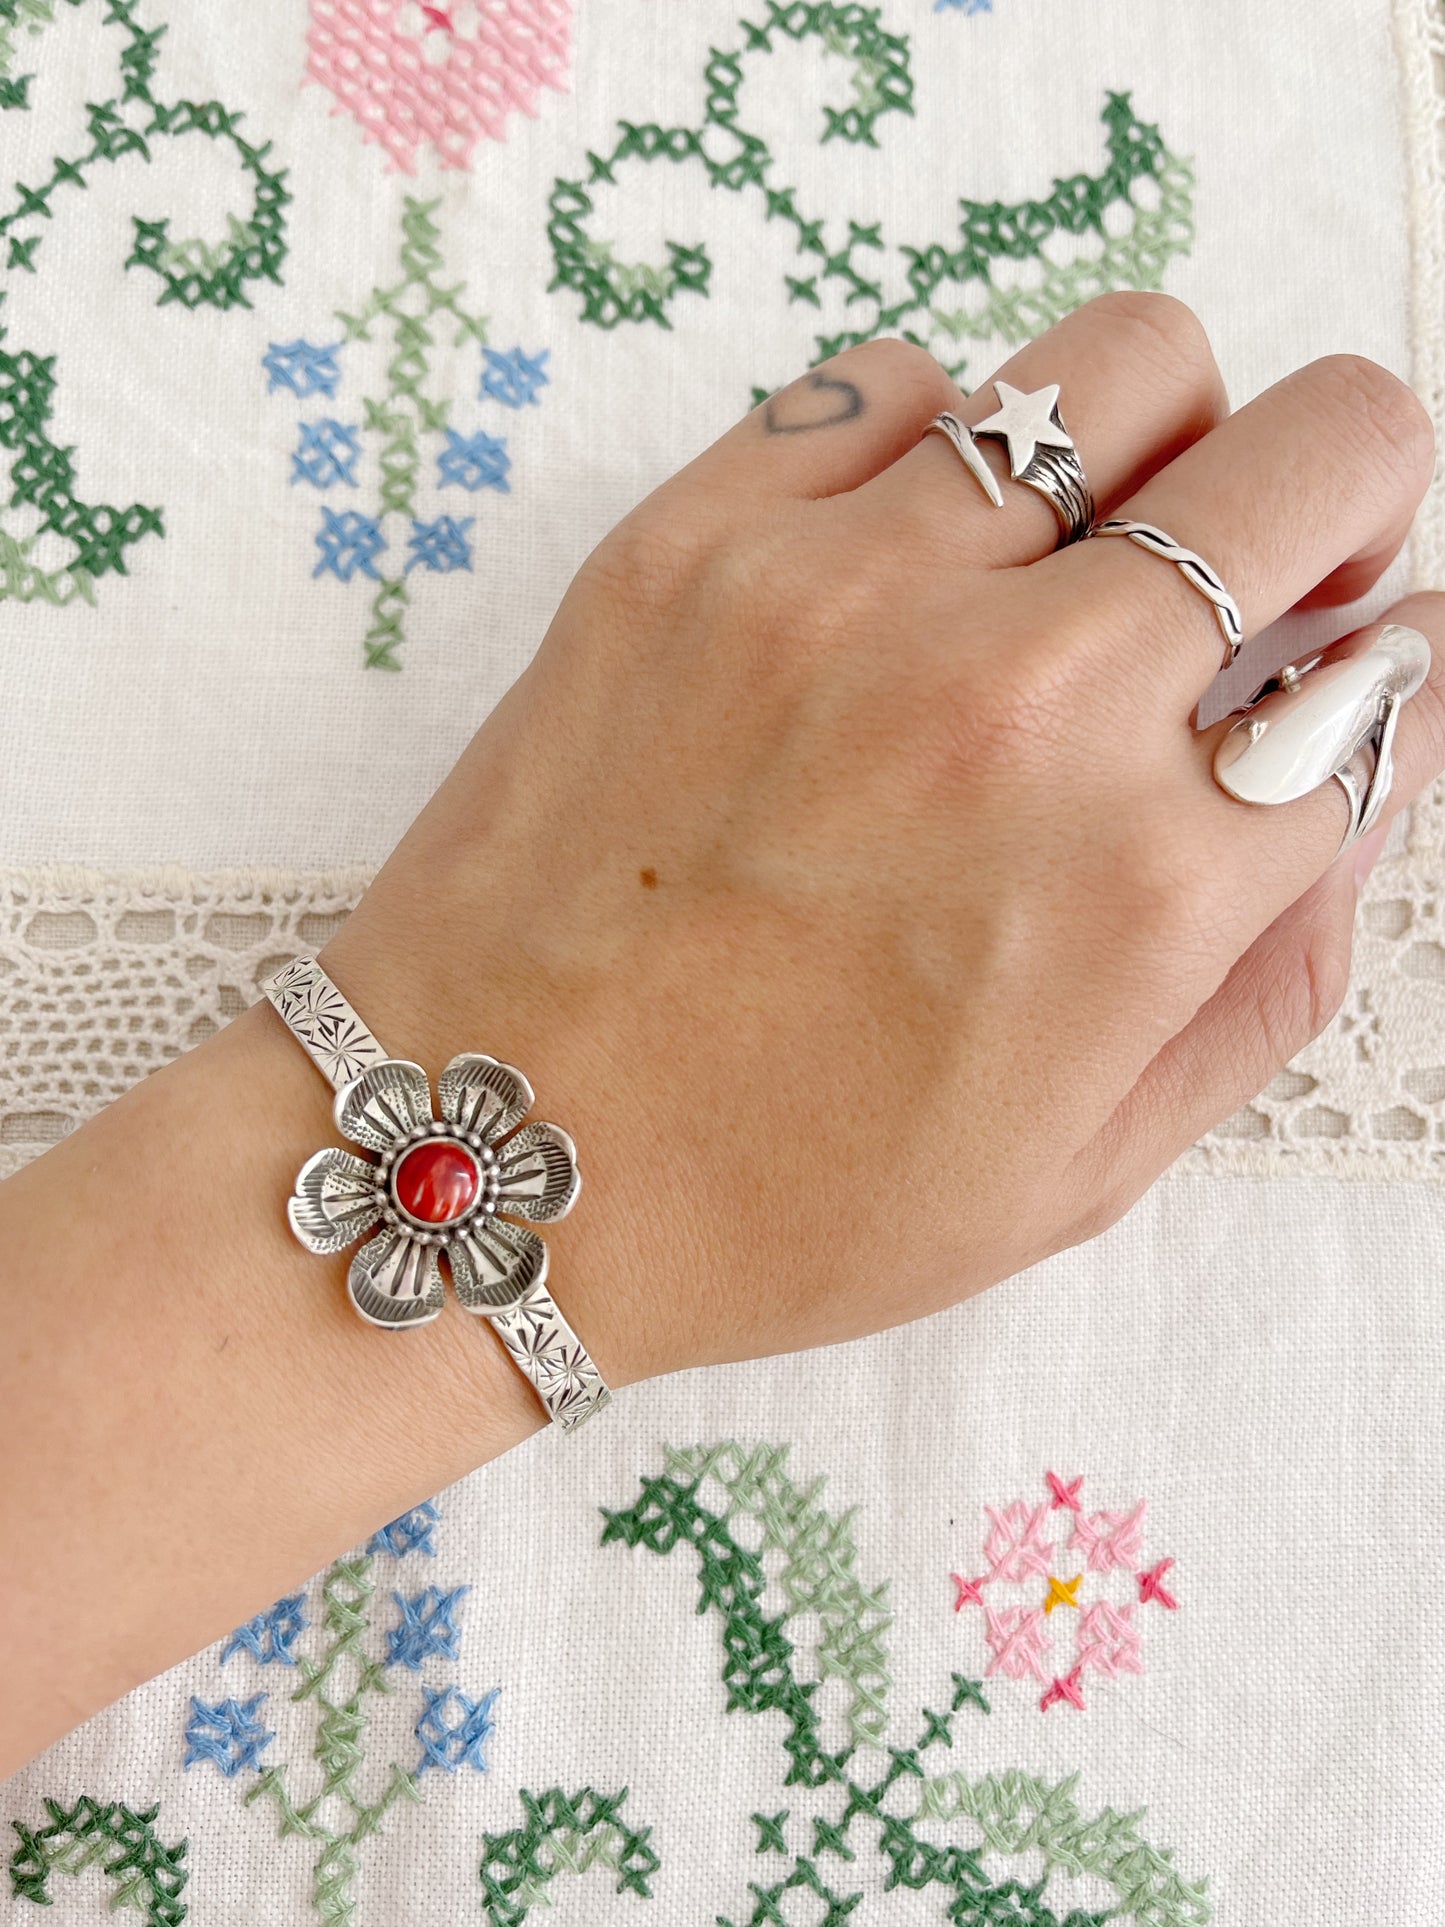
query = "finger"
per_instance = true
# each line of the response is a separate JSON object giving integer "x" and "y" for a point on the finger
{"x": 1324, "y": 469}
{"x": 1280, "y": 995}
{"x": 1277, "y": 998}
{"x": 1138, "y": 384}
{"x": 828, "y": 431}
{"x": 1256, "y": 859}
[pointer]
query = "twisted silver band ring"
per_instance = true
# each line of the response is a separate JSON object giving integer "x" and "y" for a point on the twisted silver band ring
{"x": 1196, "y": 572}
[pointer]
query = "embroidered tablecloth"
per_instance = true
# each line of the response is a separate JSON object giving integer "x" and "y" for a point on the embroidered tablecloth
{"x": 335, "y": 334}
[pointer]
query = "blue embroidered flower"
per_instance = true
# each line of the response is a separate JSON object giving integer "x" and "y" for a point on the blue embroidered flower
{"x": 412, "y": 1532}
{"x": 453, "y": 1737}
{"x": 427, "y": 1627}
{"x": 474, "y": 461}
{"x": 441, "y": 545}
{"x": 271, "y": 1634}
{"x": 964, "y": 6}
{"x": 227, "y": 1734}
{"x": 514, "y": 378}
{"x": 327, "y": 452}
{"x": 348, "y": 541}
{"x": 301, "y": 366}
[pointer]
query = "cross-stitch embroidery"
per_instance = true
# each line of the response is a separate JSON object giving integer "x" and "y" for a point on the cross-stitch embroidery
{"x": 350, "y": 1660}
{"x": 444, "y": 75}
{"x": 1028, "y": 1546}
{"x": 562, "y": 1833}
{"x": 44, "y": 488}
{"x": 405, "y": 434}
{"x": 868, "y": 1789}
{"x": 122, "y": 1842}
{"x": 1136, "y": 211}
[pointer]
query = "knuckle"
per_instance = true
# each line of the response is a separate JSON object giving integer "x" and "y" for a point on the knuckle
{"x": 1301, "y": 991}
{"x": 1165, "y": 325}
{"x": 1377, "y": 407}
{"x": 900, "y": 364}
{"x": 650, "y": 559}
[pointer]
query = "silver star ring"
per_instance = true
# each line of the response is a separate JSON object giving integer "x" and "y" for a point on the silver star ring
{"x": 1041, "y": 454}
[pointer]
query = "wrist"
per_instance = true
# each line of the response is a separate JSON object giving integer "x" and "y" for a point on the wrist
{"x": 428, "y": 1009}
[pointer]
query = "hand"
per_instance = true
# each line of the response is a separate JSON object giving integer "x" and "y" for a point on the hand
{"x": 844, "y": 871}
{"x": 844, "y": 874}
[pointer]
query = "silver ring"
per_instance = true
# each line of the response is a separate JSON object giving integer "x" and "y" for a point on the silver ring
{"x": 1196, "y": 572}
{"x": 451, "y": 1186}
{"x": 1041, "y": 454}
{"x": 961, "y": 436}
{"x": 1334, "y": 722}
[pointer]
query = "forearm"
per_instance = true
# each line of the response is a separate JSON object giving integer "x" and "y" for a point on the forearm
{"x": 186, "y": 1398}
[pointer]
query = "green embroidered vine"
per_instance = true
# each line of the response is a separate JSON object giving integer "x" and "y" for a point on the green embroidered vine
{"x": 131, "y": 123}
{"x": 818, "y": 1573}
{"x": 913, "y": 288}
{"x": 562, "y": 1834}
{"x": 148, "y": 1875}
{"x": 412, "y": 309}
{"x": 869, "y": 1788}
{"x": 31, "y": 17}
{"x": 337, "y": 1818}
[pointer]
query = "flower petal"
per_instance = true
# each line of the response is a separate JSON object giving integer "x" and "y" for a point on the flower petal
{"x": 395, "y": 1281}
{"x": 539, "y": 1175}
{"x": 477, "y": 1093}
{"x": 384, "y": 1104}
{"x": 495, "y": 1264}
{"x": 335, "y": 1201}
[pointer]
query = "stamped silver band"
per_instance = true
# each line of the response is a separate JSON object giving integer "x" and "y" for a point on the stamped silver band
{"x": 498, "y": 1266}
{"x": 322, "y": 1022}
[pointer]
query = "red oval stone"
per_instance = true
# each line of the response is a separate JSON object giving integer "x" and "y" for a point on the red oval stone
{"x": 437, "y": 1180}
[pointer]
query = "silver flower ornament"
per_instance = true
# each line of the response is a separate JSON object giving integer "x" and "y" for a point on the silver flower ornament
{"x": 440, "y": 1186}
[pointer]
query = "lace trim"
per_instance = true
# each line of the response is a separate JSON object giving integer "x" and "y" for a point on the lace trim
{"x": 103, "y": 978}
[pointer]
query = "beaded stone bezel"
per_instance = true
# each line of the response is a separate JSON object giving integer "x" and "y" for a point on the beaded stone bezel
{"x": 488, "y": 1181}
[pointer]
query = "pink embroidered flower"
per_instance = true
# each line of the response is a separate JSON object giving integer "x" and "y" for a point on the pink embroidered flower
{"x": 444, "y": 75}
{"x": 1017, "y": 1554}
{"x": 1017, "y": 1640}
{"x": 1013, "y": 1547}
{"x": 1110, "y": 1540}
{"x": 1109, "y": 1640}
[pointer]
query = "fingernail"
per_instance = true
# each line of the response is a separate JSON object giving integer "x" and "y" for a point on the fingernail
{"x": 1367, "y": 853}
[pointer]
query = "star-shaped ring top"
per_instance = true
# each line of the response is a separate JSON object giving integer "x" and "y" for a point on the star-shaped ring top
{"x": 1041, "y": 454}
{"x": 1026, "y": 422}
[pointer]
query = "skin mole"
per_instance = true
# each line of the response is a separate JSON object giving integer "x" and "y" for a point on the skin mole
{"x": 648, "y": 879}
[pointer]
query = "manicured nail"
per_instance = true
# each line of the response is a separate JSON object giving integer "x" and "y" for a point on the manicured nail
{"x": 1367, "y": 853}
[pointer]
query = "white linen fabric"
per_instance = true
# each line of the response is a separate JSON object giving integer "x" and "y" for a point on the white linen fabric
{"x": 1209, "y": 1666}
